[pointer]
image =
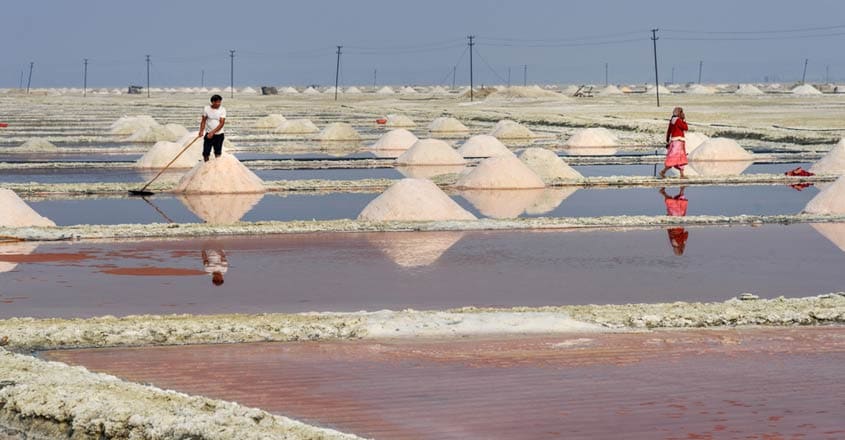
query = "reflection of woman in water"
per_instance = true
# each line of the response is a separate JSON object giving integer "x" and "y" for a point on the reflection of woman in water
{"x": 676, "y": 206}
{"x": 216, "y": 264}
{"x": 676, "y": 151}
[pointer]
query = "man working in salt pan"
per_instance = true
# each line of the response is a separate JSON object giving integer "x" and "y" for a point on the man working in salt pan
{"x": 211, "y": 126}
{"x": 676, "y": 151}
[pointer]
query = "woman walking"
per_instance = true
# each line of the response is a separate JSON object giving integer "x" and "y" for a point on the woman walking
{"x": 676, "y": 152}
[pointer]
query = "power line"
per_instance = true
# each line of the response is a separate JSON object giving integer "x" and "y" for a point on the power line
{"x": 775, "y": 31}
{"x": 29, "y": 81}
{"x": 770, "y": 38}
{"x": 563, "y": 40}
{"x": 484, "y": 60}
{"x": 232, "y": 73}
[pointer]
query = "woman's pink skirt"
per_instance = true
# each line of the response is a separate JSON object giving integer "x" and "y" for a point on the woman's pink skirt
{"x": 676, "y": 155}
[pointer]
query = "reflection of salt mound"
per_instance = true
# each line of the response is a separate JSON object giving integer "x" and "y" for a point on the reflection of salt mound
{"x": 430, "y": 152}
{"x": 37, "y": 144}
{"x": 428, "y": 171}
{"x": 720, "y": 149}
{"x": 127, "y": 125}
{"x": 297, "y": 126}
{"x": 339, "y": 131}
{"x": 414, "y": 249}
{"x": 806, "y": 90}
{"x": 15, "y": 248}
{"x": 414, "y": 200}
{"x": 221, "y": 175}
{"x": 833, "y": 162}
{"x": 748, "y": 90}
{"x": 610, "y": 90}
{"x": 163, "y": 152}
{"x": 270, "y": 121}
{"x": 399, "y": 139}
{"x": 835, "y": 232}
{"x": 16, "y": 213}
{"x": 501, "y": 172}
{"x": 507, "y": 129}
{"x": 502, "y": 203}
{"x": 483, "y": 145}
{"x": 220, "y": 209}
{"x": 830, "y": 200}
{"x": 592, "y": 137}
{"x": 694, "y": 140}
{"x": 386, "y": 90}
{"x": 718, "y": 168}
{"x": 447, "y": 125}
{"x": 399, "y": 121}
{"x": 550, "y": 200}
{"x": 698, "y": 89}
{"x": 547, "y": 165}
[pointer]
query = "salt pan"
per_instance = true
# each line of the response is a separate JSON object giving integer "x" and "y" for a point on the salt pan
{"x": 415, "y": 249}
{"x": 220, "y": 209}
{"x": 502, "y": 203}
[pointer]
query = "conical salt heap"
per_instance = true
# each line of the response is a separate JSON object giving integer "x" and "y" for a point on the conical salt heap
{"x": 297, "y": 126}
{"x": 447, "y": 125}
{"x": 16, "y": 213}
{"x": 155, "y": 133}
{"x": 430, "y": 152}
{"x": 507, "y": 129}
{"x": 339, "y": 131}
{"x": 386, "y": 90}
{"x": 833, "y": 162}
{"x": 694, "y": 140}
{"x": 610, "y": 90}
{"x": 501, "y": 172}
{"x": 221, "y": 175}
{"x": 220, "y": 209}
{"x": 720, "y": 149}
{"x": 163, "y": 152}
{"x": 310, "y": 91}
{"x": 592, "y": 138}
{"x": 748, "y": 90}
{"x": 830, "y": 200}
{"x": 547, "y": 165}
{"x": 353, "y": 91}
{"x": 397, "y": 140}
{"x": 414, "y": 249}
{"x": 698, "y": 89}
{"x": 126, "y": 125}
{"x": 37, "y": 144}
{"x": 414, "y": 200}
{"x": 483, "y": 145}
{"x": 270, "y": 121}
{"x": 806, "y": 90}
{"x": 399, "y": 121}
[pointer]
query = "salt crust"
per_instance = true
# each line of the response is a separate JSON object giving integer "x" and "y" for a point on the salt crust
{"x": 500, "y": 172}
{"x": 430, "y": 152}
{"x": 547, "y": 165}
{"x": 507, "y": 129}
{"x": 399, "y": 139}
{"x": 833, "y": 162}
{"x": 16, "y": 213}
{"x": 720, "y": 149}
{"x": 339, "y": 131}
{"x": 414, "y": 200}
{"x": 221, "y": 175}
{"x": 483, "y": 145}
{"x": 591, "y": 138}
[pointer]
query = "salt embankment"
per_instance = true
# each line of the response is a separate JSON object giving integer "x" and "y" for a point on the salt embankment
{"x": 430, "y": 152}
{"x": 483, "y": 145}
{"x": 547, "y": 165}
{"x": 17, "y": 213}
{"x": 220, "y": 175}
{"x": 414, "y": 200}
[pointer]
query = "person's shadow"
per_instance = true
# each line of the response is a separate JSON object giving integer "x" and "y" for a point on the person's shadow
{"x": 676, "y": 206}
{"x": 215, "y": 263}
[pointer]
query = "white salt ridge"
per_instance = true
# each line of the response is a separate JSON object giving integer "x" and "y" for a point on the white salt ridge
{"x": 611, "y": 90}
{"x": 502, "y": 203}
{"x": 507, "y": 129}
{"x": 221, "y": 175}
{"x": 414, "y": 200}
{"x": 37, "y": 144}
{"x": 220, "y": 209}
{"x": 694, "y": 140}
{"x": 447, "y": 124}
{"x": 386, "y": 90}
{"x": 16, "y": 213}
{"x": 270, "y": 121}
{"x": 833, "y": 162}
{"x": 806, "y": 90}
{"x": 339, "y": 131}
{"x": 163, "y": 152}
{"x": 430, "y": 152}
{"x": 830, "y": 200}
{"x": 399, "y": 121}
{"x": 748, "y": 90}
{"x": 483, "y": 145}
{"x": 501, "y": 172}
{"x": 720, "y": 149}
{"x": 297, "y": 126}
{"x": 547, "y": 165}
{"x": 399, "y": 139}
{"x": 592, "y": 137}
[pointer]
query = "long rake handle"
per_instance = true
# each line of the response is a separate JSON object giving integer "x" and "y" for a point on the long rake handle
{"x": 171, "y": 163}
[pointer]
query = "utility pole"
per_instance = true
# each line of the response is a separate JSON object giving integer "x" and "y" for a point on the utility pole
{"x": 232, "y": 73}
{"x": 85, "y": 78}
{"x": 654, "y": 39}
{"x": 827, "y": 73}
{"x": 804, "y": 75}
{"x": 337, "y": 72}
{"x": 509, "y": 76}
{"x": 672, "y": 81}
{"x": 375, "y": 77}
{"x": 606, "y": 83}
{"x": 471, "y": 39}
{"x": 29, "y": 81}
{"x": 700, "y": 66}
{"x": 20, "y": 83}
{"x": 148, "y": 76}
{"x": 525, "y": 74}
{"x": 454, "y": 72}
{"x": 202, "y": 78}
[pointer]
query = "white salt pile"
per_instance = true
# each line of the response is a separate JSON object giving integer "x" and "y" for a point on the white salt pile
{"x": 16, "y": 213}
{"x": 830, "y": 200}
{"x": 386, "y": 90}
{"x": 447, "y": 124}
{"x": 663, "y": 90}
{"x": 297, "y": 126}
{"x": 163, "y": 152}
{"x": 249, "y": 91}
{"x": 339, "y": 131}
{"x": 331, "y": 90}
{"x": 806, "y": 90}
{"x": 549, "y": 200}
{"x": 429, "y": 171}
{"x": 408, "y": 91}
{"x": 155, "y": 133}
{"x": 833, "y": 162}
{"x": 414, "y": 200}
{"x": 414, "y": 249}
{"x": 694, "y": 140}
{"x": 720, "y": 149}
{"x": 748, "y": 90}
{"x": 127, "y": 125}
{"x": 438, "y": 90}
{"x": 502, "y": 203}
{"x": 270, "y": 121}
{"x": 310, "y": 91}
{"x": 220, "y": 209}
{"x": 524, "y": 92}
{"x": 592, "y": 137}
{"x": 611, "y": 90}
{"x": 399, "y": 121}
{"x": 430, "y": 152}
{"x": 353, "y": 91}
{"x": 547, "y": 165}
{"x": 399, "y": 139}
{"x": 698, "y": 89}
{"x": 37, "y": 144}
{"x": 483, "y": 145}
{"x": 501, "y": 172}
{"x": 221, "y": 175}
{"x": 290, "y": 91}
{"x": 717, "y": 168}
{"x": 507, "y": 129}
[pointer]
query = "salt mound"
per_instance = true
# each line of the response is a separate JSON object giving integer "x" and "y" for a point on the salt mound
{"x": 430, "y": 152}
{"x": 718, "y": 168}
{"x": 339, "y": 131}
{"x": 663, "y": 90}
{"x": 220, "y": 175}
{"x": 547, "y": 165}
{"x": 438, "y": 90}
{"x": 220, "y": 209}
{"x": 249, "y": 91}
{"x": 155, "y": 133}
{"x": 15, "y": 248}
{"x": 806, "y": 90}
{"x": 290, "y": 91}
{"x": 748, "y": 90}
{"x": 127, "y": 125}
{"x": 719, "y": 149}
{"x": 331, "y": 90}
{"x": 698, "y": 89}
{"x": 507, "y": 129}
{"x": 310, "y": 91}
{"x": 483, "y": 145}
{"x": 353, "y": 90}
{"x": 533, "y": 91}
{"x": 833, "y": 162}
{"x": 835, "y": 232}
{"x": 414, "y": 249}
{"x": 429, "y": 171}
{"x": 270, "y": 121}
{"x": 414, "y": 200}
{"x": 830, "y": 200}
{"x": 37, "y": 144}
{"x": 592, "y": 137}
{"x": 501, "y": 172}
{"x": 386, "y": 90}
{"x": 16, "y": 213}
{"x": 549, "y": 200}
{"x": 297, "y": 126}
{"x": 399, "y": 139}
{"x": 694, "y": 140}
{"x": 408, "y": 91}
{"x": 502, "y": 203}
{"x": 611, "y": 90}
{"x": 590, "y": 151}
{"x": 447, "y": 125}
{"x": 399, "y": 121}
{"x": 163, "y": 152}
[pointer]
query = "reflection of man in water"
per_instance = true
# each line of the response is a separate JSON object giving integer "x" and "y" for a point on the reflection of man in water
{"x": 676, "y": 206}
{"x": 216, "y": 264}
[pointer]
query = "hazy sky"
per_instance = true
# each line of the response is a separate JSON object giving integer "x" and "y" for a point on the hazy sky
{"x": 281, "y": 42}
